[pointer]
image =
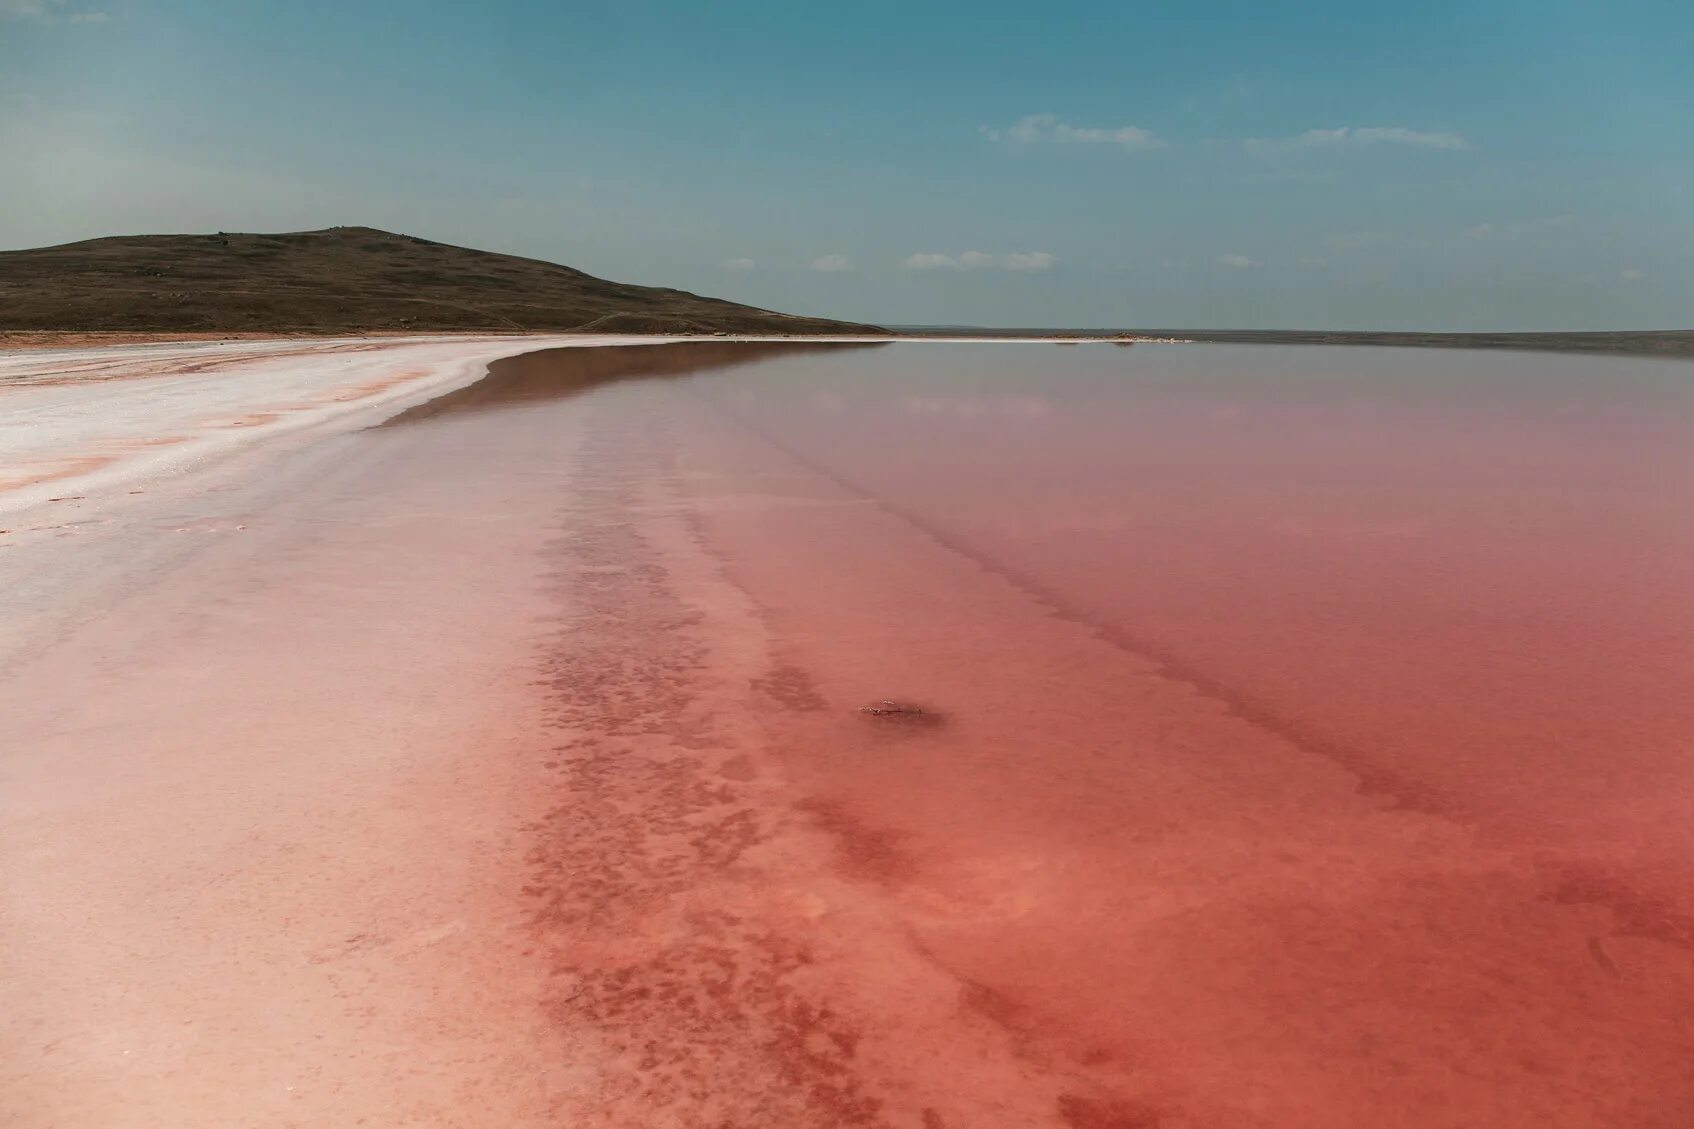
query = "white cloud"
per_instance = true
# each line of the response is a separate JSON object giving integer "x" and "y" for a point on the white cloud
{"x": 1237, "y": 262}
{"x": 1354, "y": 136}
{"x": 89, "y": 17}
{"x": 832, "y": 264}
{"x": 1313, "y": 261}
{"x": 928, "y": 261}
{"x": 1128, "y": 135}
{"x": 1632, "y": 274}
{"x": 981, "y": 260}
{"x": 739, "y": 265}
{"x": 1424, "y": 139}
{"x": 1478, "y": 231}
{"x": 1036, "y": 128}
{"x": 1030, "y": 261}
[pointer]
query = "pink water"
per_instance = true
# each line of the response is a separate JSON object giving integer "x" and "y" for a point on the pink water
{"x": 1468, "y": 577}
{"x": 1306, "y": 737}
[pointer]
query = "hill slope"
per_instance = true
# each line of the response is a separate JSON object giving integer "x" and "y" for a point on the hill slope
{"x": 341, "y": 280}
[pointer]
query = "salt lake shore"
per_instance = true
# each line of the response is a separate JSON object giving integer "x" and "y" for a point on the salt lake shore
{"x": 495, "y": 731}
{"x": 280, "y": 792}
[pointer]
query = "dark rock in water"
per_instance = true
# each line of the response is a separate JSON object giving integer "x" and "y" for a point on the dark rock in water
{"x": 899, "y": 711}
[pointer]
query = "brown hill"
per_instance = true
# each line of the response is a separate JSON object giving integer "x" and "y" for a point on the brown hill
{"x": 343, "y": 280}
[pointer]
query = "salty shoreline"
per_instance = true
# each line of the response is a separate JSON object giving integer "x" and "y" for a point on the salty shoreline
{"x": 101, "y": 417}
{"x": 505, "y": 763}
{"x": 1670, "y": 344}
{"x": 274, "y": 762}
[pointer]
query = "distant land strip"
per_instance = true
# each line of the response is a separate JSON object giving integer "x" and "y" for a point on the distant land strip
{"x": 1639, "y": 342}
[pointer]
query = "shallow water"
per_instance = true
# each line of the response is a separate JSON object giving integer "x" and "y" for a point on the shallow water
{"x": 1305, "y": 739}
{"x": 1468, "y": 577}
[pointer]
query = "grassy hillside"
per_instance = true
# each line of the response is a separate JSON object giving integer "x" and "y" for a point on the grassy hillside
{"x": 342, "y": 280}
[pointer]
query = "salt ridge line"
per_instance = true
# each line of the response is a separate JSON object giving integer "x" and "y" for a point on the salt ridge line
{"x": 91, "y": 424}
{"x": 80, "y": 422}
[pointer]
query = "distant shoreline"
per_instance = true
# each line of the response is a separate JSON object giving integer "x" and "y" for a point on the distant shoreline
{"x": 1652, "y": 342}
{"x": 1673, "y": 344}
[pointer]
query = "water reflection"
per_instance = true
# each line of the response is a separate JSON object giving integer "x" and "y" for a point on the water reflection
{"x": 554, "y": 374}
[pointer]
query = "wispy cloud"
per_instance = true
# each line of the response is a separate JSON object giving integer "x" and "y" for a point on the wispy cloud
{"x": 1360, "y": 136}
{"x": 981, "y": 260}
{"x": 1043, "y": 129}
{"x": 1030, "y": 261}
{"x": 832, "y": 264}
{"x": 1632, "y": 274}
{"x": 925, "y": 260}
{"x": 47, "y": 9}
{"x": 1034, "y": 129}
{"x": 740, "y": 266}
{"x": 1237, "y": 262}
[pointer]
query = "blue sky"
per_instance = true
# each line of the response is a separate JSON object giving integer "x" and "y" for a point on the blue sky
{"x": 1443, "y": 165}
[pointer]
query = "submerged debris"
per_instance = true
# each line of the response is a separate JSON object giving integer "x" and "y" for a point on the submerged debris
{"x": 901, "y": 711}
